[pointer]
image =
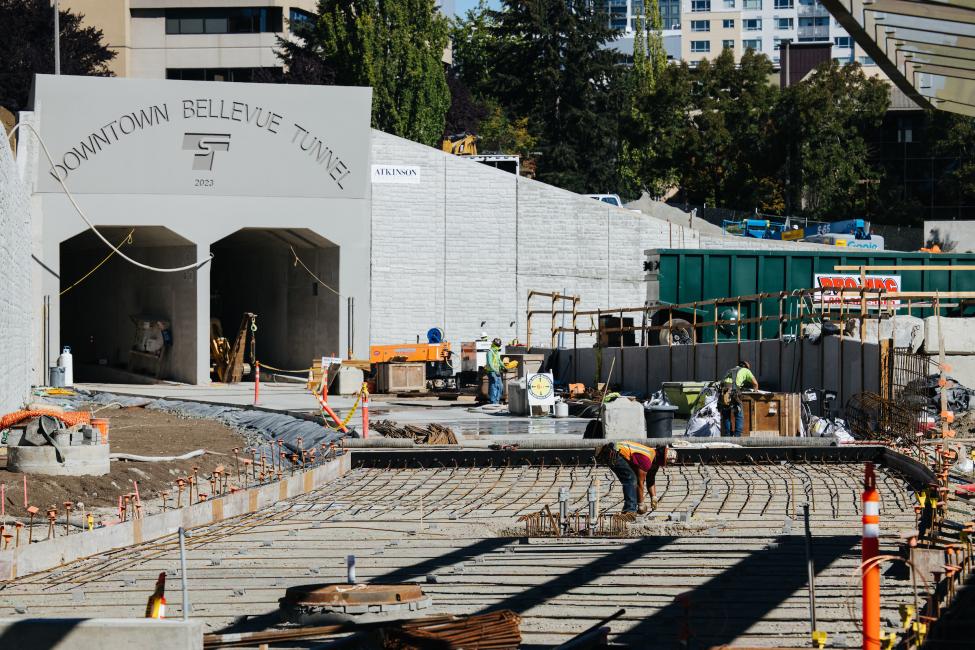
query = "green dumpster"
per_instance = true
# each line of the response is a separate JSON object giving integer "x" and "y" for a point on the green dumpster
{"x": 683, "y": 394}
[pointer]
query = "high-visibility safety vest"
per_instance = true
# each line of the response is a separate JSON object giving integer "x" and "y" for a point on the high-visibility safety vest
{"x": 626, "y": 449}
{"x": 493, "y": 360}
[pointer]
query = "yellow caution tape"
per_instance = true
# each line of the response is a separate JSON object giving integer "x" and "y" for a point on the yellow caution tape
{"x": 264, "y": 365}
{"x": 348, "y": 417}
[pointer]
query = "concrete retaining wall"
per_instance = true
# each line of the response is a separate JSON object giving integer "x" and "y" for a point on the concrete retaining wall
{"x": 87, "y": 633}
{"x": 61, "y": 550}
{"x": 779, "y": 366}
{"x": 461, "y": 248}
{"x": 16, "y": 341}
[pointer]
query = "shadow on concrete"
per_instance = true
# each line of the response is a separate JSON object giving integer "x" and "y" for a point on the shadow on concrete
{"x": 37, "y": 634}
{"x": 412, "y": 572}
{"x": 603, "y": 564}
{"x": 720, "y": 610}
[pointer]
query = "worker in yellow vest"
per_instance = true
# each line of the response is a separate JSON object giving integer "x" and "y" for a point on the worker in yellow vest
{"x": 635, "y": 465}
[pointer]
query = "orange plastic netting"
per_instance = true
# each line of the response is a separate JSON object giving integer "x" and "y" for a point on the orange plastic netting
{"x": 70, "y": 418}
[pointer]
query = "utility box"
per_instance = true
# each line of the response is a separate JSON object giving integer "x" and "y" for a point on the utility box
{"x": 771, "y": 414}
{"x": 401, "y": 377}
{"x": 473, "y": 355}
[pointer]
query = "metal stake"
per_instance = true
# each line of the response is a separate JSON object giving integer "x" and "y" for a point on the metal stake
{"x": 811, "y": 570}
{"x": 182, "y": 573}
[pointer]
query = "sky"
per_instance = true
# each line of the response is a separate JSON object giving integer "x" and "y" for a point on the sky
{"x": 461, "y": 6}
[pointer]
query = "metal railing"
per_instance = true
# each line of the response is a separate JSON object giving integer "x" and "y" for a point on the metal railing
{"x": 769, "y": 315}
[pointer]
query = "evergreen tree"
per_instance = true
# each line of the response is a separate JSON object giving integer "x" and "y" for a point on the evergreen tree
{"x": 822, "y": 121}
{"x": 394, "y": 46}
{"x": 649, "y": 63}
{"x": 27, "y": 48}
{"x": 549, "y": 64}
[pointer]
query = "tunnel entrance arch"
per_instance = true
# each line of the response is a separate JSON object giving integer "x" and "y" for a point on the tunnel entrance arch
{"x": 298, "y": 313}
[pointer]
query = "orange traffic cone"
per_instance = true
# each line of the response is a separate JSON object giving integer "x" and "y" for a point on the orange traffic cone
{"x": 156, "y": 607}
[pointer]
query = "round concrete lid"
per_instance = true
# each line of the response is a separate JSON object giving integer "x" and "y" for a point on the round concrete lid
{"x": 346, "y": 594}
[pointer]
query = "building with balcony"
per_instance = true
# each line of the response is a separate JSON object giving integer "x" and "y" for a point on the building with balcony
{"x": 701, "y": 29}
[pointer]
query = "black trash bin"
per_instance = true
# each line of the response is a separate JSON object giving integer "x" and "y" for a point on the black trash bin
{"x": 660, "y": 420}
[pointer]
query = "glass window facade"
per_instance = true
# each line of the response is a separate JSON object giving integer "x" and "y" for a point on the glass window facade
{"x": 728, "y": 23}
{"x": 700, "y": 25}
{"x": 700, "y": 46}
{"x": 700, "y": 5}
{"x": 224, "y": 20}
{"x": 751, "y": 24}
{"x": 844, "y": 42}
{"x": 784, "y": 23}
{"x": 752, "y": 44}
{"x": 224, "y": 74}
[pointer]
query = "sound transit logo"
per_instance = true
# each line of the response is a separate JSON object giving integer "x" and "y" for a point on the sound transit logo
{"x": 205, "y": 145}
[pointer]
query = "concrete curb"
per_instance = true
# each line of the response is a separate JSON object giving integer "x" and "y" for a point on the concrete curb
{"x": 31, "y": 558}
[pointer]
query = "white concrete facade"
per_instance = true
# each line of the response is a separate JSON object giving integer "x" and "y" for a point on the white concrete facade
{"x": 448, "y": 243}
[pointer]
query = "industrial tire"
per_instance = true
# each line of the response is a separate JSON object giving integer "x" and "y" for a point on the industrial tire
{"x": 676, "y": 332}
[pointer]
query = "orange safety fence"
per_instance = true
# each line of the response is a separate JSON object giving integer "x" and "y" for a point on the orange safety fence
{"x": 70, "y": 418}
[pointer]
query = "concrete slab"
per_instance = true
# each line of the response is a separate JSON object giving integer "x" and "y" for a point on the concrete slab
{"x": 87, "y": 633}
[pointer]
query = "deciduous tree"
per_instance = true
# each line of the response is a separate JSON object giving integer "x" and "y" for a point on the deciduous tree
{"x": 27, "y": 48}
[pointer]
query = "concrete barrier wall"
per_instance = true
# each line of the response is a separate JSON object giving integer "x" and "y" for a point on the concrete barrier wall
{"x": 787, "y": 366}
{"x": 51, "y": 553}
{"x": 15, "y": 284}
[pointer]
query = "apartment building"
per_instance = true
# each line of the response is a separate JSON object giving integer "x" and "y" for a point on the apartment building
{"x": 212, "y": 40}
{"x": 706, "y": 27}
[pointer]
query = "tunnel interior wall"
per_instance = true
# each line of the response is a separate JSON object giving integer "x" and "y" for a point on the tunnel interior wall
{"x": 296, "y": 320}
{"x": 96, "y": 314}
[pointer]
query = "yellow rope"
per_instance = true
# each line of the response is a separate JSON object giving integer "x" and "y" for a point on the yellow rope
{"x": 126, "y": 240}
{"x": 298, "y": 261}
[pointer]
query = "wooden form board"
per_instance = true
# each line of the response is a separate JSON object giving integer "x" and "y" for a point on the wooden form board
{"x": 774, "y": 414}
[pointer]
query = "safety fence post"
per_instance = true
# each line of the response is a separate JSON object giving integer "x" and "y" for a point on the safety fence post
{"x": 365, "y": 410}
{"x": 257, "y": 381}
{"x": 870, "y": 568}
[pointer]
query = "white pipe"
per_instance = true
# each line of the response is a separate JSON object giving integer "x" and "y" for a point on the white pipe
{"x": 157, "y": 459}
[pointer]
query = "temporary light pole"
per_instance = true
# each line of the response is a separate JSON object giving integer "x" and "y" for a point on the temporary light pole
{"x": 57, "y": 38}
{"x": 871, "y": 573}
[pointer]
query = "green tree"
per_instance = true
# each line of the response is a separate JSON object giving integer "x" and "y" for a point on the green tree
{"x": 549, "y": 64}
{"x": 649, "y": 65}
{"x": 822, "y": 121}
{"x": 394, "y": 46}
{"x": 472, "y": 45}
{"x": 500, "y": 133}
{"x": 724, "y": 152}
{"x": 952, "y": 137}
{"x": 27, "y": 48}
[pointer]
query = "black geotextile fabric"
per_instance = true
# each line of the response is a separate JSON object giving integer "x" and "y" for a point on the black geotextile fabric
{"x": 268, "y": 425}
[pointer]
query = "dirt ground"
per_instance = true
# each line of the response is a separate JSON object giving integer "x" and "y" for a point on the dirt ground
{"x": 135, "y": 431}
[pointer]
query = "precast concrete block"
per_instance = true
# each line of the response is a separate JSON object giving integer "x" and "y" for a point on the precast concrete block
{"x": 348, "y": 381}
{"x": 907, "y": 331}
{"x": 517, "y": 397}
{"x": 962, "y": 368}
{"x": 623, "y": 419}
{"x": 958, "y": 333}
{"x": 86, "y": 633}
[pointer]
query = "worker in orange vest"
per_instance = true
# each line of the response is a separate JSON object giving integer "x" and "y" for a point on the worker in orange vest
{"x": 635, "y": 465}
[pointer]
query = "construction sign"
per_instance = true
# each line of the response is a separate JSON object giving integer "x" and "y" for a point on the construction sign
{"x": 886, "y": 283}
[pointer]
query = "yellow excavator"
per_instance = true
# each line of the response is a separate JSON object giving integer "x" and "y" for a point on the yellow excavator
{"x": 461, "y": 144}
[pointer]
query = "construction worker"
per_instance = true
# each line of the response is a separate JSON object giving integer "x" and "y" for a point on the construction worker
{"x": 494, "y": 368}
{"x": 636, "y": 466}
{"x": 729, "y": 401}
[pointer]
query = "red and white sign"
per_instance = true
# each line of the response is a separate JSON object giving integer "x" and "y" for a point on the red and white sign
{"x": 888, "y": 283}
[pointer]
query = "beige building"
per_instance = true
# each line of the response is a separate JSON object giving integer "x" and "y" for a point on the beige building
{"x": 216, "y": 40}
{"x": 704, "y": 34}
